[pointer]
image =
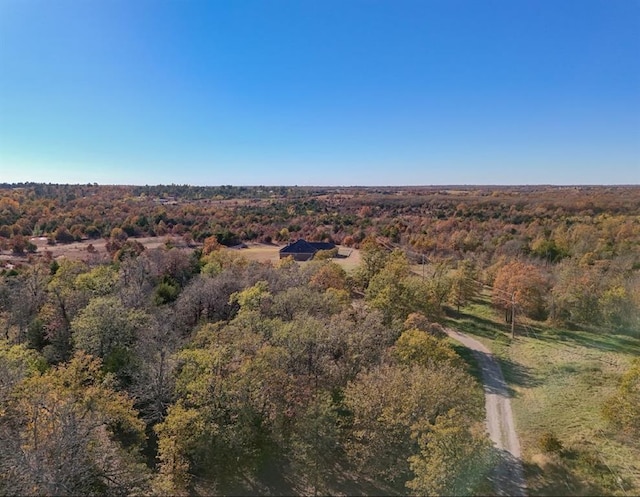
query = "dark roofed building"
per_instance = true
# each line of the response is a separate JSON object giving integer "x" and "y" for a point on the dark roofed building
{"x": 302, "y": 250}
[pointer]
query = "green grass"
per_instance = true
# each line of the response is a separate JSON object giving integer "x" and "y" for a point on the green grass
{"x": 560, "y": 380}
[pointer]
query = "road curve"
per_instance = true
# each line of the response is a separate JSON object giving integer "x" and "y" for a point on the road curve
{"x": 508, "y": 477}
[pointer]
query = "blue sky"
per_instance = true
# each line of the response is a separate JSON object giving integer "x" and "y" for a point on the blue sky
{"x": 320, "y": 92}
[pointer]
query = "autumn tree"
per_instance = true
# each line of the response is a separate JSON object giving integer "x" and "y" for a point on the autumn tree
{"x": 153, "y": 379}
{"x": 27, "y": 295}
{"x": 329, "y": 275}
{"x": 208, "y": 298}
{"x": 211, "y": 244}
{"x": 262, "y": 388}
{"x": 64, "y": 301}
{"x": 576, "y": 293}
{"x": 604, "y": 294}
{"x": 395, "y": 407}
{"x": 524, "y": 284}
{"x": 135, "y": 282}
{"x": 68, "y": 432}
{"x": 62, "y": 235}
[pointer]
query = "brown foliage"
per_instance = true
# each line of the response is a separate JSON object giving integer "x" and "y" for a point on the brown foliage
{"x": 524, "y": 283}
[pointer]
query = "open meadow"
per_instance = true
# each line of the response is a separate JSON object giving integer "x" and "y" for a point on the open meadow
{"x": 560, "y": 381}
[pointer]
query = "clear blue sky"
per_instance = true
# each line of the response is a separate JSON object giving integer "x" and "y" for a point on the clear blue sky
{"x": 320, "y": 92}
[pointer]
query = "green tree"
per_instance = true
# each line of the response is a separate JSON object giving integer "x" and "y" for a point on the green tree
{"x": 464, "y": 285}
{"x": 107, "y": 329}
{"x": 214, "y": 430}
{"x": 439, "y": 283}
{"x": 252, "y": 298}
{"x": 548, "y": 250}
{"x": 617, "y": 307}
{"x": 623, "y": 408}
{"x": 99, "y": 282}
{"x": 398, "y": 293}
{"x": 178, "y": 437}
{"x": 17, "y": 362}
{"x": 166, "y": 292}
{"x": 419, "y": 347}
{"x": 374, "y": 258}
{"x": 455, "y": 457}
{"x": 394, "y": 407}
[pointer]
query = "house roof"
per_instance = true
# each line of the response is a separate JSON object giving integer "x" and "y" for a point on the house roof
{"x": 304, "y": 247}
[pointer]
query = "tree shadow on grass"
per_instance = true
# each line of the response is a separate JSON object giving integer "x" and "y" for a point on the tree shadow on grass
{"x": 604, "y": 341}
{"x": 518, "y": 374}
{"x": 280, "y": 478}
{"x": 550, "y": 479}
{"x": 600, "y": 339}
{"x": 475, "y": 325}
{"x": 567, "y": 473}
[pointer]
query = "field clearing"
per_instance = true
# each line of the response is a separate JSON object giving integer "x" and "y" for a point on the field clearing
{"x": 259, "y": 252}
{"x": 348, "y": 258}
{"x": 79, "y": 250}
{"x": 560, "y": 380}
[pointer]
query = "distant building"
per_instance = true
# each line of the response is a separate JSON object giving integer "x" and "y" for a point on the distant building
{"x": 302, "y": 250}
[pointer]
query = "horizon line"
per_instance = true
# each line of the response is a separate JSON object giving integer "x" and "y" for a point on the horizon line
{"x": 432, "y": 185}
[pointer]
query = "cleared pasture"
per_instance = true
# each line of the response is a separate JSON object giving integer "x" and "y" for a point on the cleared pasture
{"x": 348, "y": 258}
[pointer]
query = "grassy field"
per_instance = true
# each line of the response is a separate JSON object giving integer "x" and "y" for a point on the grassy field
{"x": 560, "y": 380}
{"x": 348, "y": 258}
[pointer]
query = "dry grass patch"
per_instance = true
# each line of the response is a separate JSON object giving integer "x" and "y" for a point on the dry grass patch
{"x": 348, "y": 258}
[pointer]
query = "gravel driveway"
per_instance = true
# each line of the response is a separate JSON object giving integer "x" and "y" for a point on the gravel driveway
{"x": 508, "y": 477}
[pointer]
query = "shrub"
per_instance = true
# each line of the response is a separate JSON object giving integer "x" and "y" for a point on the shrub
{"x": 323, "y": 255}
{"x": 550, "y": 443}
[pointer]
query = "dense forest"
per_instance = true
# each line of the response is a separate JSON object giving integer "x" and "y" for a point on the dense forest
{"x": 188, "y": 369}
{"x": 578, "y": 247}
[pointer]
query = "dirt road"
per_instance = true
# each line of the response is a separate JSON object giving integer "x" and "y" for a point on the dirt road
{"x": 508, "y": 477}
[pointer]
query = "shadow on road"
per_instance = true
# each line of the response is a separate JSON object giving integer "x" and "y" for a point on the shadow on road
{"x": 507, "y": 475}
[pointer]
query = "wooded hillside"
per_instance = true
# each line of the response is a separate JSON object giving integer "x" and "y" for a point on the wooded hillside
{"x": 187, "y": 369}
